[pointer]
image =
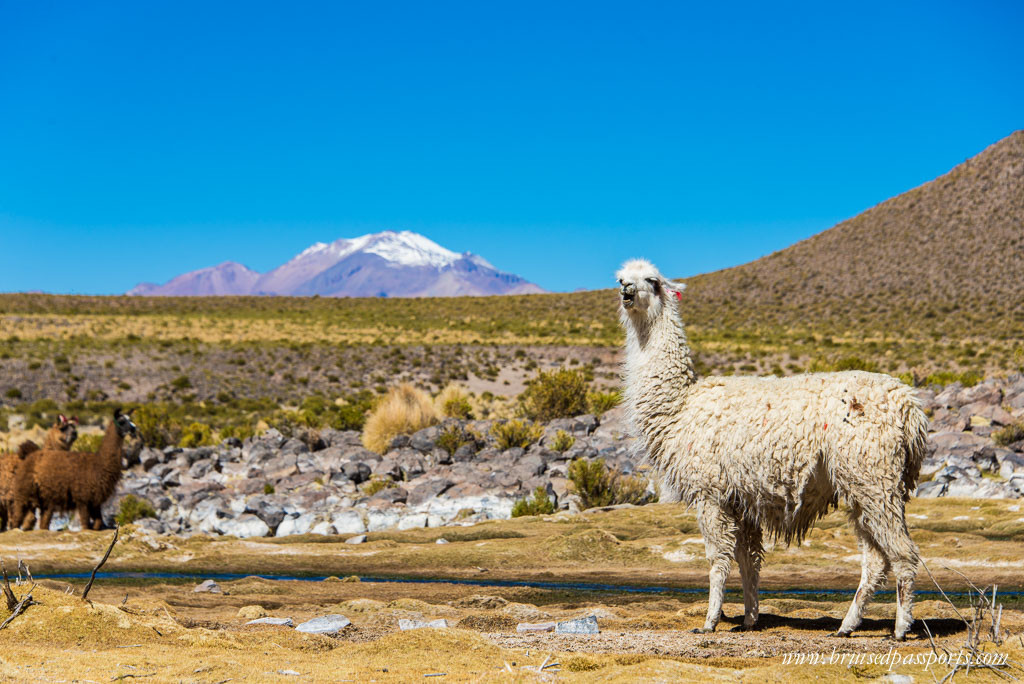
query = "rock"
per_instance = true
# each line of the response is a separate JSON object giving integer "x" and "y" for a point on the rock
{"x": 357, "y": 471}
{"x": 328, "y": 624}
{"x": 1010, "y": 465}
{"x": 390, "y": 495}
{"x": 377, "y": 520}
{"x": 399, "y": 442}
{"x": 266, "y": 509}
{"x": 411, "y": 522}
{"x": 428, "y": 490}
{"x": 149, "y": 458}
{"x": 525, "y": 627}
{"x": 931, "y": 489}
{"x": 253, "y": 612}
{"x": 405, "y": 624}
{"x": 425, "y": 440}
{"x": 584, "y": 625}
{"x": 245, "y": 526}
{"x": 348, "y": 522}
{"x": 358, "y": 539}
{"x": 441, "y": 540}
{"x": 464, "y": 453}
{"x": 283, "y": 622}
{"x": 301, "y": 524}
{"x": 208, "y": 586}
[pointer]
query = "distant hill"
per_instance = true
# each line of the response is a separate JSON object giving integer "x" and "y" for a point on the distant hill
{"x": 386, "y": 264}
{"x": 947, "y": 257}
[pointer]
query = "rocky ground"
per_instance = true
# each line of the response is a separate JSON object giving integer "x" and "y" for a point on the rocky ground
{"x": 331, "y": 484}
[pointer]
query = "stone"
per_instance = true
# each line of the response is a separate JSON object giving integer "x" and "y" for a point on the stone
{"x": 583, "y": 625}
{"x": 328, "y": 624}
{"x": 357, "y": 471}
{"x": 266, "y": 509}
{"x": 283, "y": 622}
{"x": 425, "y": 439}
{"x": 441, "y": 540}
{"x": 297, "y": 525}
{"x": 525, "y": 627}
{"x": 244, "y": 526}
{"x": 411, "y": 522}
{"x": 377, "y": 520}
{"x": 405, "y": 624}
{"x": 428, "y": 490}
{"x": 358, "y": 539}
{"x": 208, "y": 586}
{"x": 348, "y": 522}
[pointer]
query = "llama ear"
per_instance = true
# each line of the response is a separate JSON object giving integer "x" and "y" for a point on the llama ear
{"x": 62, "y": 420}
{"x": 676, "y": 289}
{"x": 117, "y": 413}
{"x": 74, "y": 419}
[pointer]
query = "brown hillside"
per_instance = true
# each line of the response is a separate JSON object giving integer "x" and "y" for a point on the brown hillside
{"x": 946, "y": 257}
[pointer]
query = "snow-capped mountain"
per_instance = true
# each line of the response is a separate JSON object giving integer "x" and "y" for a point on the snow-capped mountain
{"x": 386, "y": 264}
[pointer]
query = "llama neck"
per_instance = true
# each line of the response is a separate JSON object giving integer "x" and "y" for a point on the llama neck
{"x": 659, "y": 372}
{"x": 110, "y": 451}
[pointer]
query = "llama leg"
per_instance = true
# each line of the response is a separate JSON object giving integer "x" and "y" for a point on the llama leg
{"x": 96, "y": 514}
{"x": 46, "y": 515}
{"x": 872, "y": 576}
{"x": 749, "y": 553}
{"x": 29, "y": 521}
{"x": 83, "y": 516}
{"x": 901, "y": 553}
{"x": 719, "y": 529}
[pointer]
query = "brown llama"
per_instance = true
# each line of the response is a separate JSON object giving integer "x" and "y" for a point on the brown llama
{"x": 61, "y": 435}
{"x": 74, "y": 480}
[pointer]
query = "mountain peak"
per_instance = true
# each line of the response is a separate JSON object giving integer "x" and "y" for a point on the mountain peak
{"x": 388, "y": 263}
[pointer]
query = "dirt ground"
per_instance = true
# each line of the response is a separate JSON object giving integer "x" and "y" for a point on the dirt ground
{"x": 160, "y": 629}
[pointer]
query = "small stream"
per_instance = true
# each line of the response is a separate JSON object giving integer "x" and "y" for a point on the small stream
{"x": 531, "y": 584}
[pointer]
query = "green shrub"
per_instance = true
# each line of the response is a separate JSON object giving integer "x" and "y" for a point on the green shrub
{"x": 967, "y": 378}
{"x": 196, "y": 435}
{"x": 133, "y": 508}
{"x": 181, "y": 382}
{"x": 13, "y": 393}
{"x": 597, "y": 486}
{"x": 89, "y": 443}
{"x": 539, "y": 504}
{"x": 348, "y": 417}
{"x": 156, "y": 426}
{"x": 848, "y": 363}
{"x": 600, "y": 402}
{"x": 453, "y": 437}
{"x": 562, "y": 442}
{"x": 268, "y": 488}
{"x": 558, "y": 394}
{"x": 241, "y": 432}
{"x": 1009, "y": 434}
{"x": 516, "y": 433}
{"x": 377, "y": 483}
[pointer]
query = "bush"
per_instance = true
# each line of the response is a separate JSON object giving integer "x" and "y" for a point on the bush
{"x": 516, "y": 433}
{"x": 539, "y": 504}
{"x": 848, "y": 363}
{"x": 453, "y": 402}
{"x": 90, "y": 443}
{"x": 403, "y": 411}
{"x": 597, "y": 486}
{"x": 196, "y": 435}
{"x": 241, "y": 432}
{"x": 377, "y": 483}
{"x": 13, "y": 393}
{"x": 562, "y": 442}
{"x": 600, "y": 402}
{"x": 453, "y": 437}
{"x": 558, "y": 394}
{"x": 156, "y": 426}
{"x": 133, "y": 508}
{"x": 268, "y": 488}
{"x": 181, "y": 382}
{"x": 348, "y": 417}
{"x": 1009, "y": 434}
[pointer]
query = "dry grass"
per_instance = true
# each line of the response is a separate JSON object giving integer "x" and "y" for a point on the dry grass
{"x": 403, "y": 411}
{"x": 454, "y": 402}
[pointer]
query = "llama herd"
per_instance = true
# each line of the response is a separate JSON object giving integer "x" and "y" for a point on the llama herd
{"x": 55, "y": 479}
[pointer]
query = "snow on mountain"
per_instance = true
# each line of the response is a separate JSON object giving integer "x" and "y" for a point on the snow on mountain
{"x": 385, "y": 264}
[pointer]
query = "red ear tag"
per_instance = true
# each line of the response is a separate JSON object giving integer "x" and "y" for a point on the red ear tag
{"x": 679, "y": 295}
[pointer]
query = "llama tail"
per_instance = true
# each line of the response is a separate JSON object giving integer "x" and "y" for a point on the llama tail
{"x": 915, "y": 442}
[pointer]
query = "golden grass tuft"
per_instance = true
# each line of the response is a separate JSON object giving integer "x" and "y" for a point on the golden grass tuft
{"x": 403, "y": 411}
{"x": 453, "y": 402}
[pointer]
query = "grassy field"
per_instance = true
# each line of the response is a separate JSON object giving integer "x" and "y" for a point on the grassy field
{"x": 161, "y": 630}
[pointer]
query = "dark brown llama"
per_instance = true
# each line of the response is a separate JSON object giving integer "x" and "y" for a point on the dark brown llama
{"x": 74, "y": 480}
{"x": 60, "y": 437}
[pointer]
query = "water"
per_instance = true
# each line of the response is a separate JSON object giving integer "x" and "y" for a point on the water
{"x": 531, "y": 584}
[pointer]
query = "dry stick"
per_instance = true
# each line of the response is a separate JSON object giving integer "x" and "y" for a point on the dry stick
{"x": 85, "y": 592}
{"x": 24, "y": 603}
{"x": 8, "y": 594}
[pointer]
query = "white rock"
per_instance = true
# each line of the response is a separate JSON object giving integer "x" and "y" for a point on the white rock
{"x": 322, "y": 527}
{"x": 328, "y": 624}
{"x": 299, "y": 525}
{"x": 584, "y": 625}
{"x": 348, "y": 522}
{"x": 411, "y": 522}
{"x": 421, "y": 624}
{"x": 377, "y": 520}
{"x": 208, "y": 586}
{"x": 358, "y": 539}
{"x": 284, "y": 622}
{"x": 244, "y": 526}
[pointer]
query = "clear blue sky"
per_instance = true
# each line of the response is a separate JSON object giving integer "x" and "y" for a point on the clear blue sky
{"x": 139, "y": 140}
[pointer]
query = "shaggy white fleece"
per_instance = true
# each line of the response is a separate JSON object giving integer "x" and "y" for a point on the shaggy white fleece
{"x": 772, "y": 454}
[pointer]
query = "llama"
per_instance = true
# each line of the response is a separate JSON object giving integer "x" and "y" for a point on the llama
{"x": 61, "y": 435}
{"x": 771, "y": 455}
{"x": 70, "y": 480}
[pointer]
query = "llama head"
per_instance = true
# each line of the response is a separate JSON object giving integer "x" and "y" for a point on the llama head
{"x": 68, "y": 428}
{"x": 643, "y": 291}
{"x": 124, "y": 423}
